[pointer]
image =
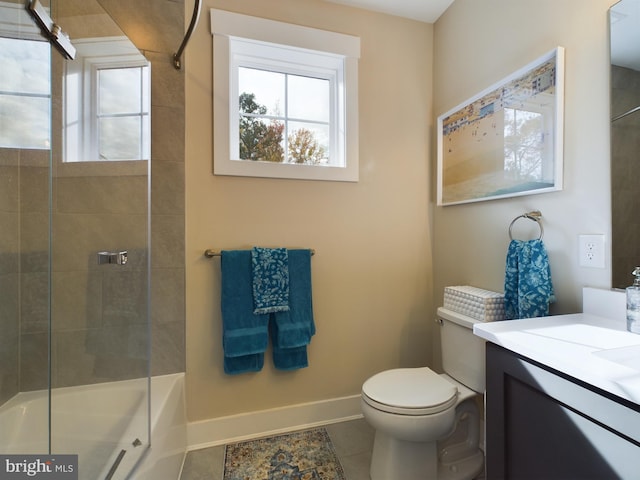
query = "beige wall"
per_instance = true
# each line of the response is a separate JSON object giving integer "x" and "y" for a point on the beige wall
{"x": 377, "y": 278}
{"x": 477, "y": 43}
{"x": 372, "y": 272}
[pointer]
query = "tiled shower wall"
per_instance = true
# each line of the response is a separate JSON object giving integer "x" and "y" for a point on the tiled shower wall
{"x": 98, "y": 312}
{"x": 111, "y": 345}
{"x": 9, "y": 238}
{"x": 23, "y": 216}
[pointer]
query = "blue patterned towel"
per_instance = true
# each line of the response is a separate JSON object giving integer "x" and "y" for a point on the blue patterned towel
{"x": 528, "y": 290}
{"x": 270, "y": 268}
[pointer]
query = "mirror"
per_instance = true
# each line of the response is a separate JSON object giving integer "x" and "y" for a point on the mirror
{"x": 625, "y": 139}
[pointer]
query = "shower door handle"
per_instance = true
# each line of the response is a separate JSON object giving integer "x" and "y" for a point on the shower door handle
{"x": 115, "y": 258}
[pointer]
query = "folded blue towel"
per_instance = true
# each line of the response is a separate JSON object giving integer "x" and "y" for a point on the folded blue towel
{"x": 291, "y": 331}
{"x": 244, "y": 333}
{"x": 295, "y": 327}
{"x": 290, "y": 358}
{"x": 244, "y": 364}
{"x": 528, "y": 289}
{"x": 270, "y": 279}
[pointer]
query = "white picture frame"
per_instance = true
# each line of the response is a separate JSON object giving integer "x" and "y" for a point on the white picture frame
{"x": 507, "y": 140}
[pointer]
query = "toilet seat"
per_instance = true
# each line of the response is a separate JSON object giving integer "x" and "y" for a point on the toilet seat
{"x": 409, "y": 391}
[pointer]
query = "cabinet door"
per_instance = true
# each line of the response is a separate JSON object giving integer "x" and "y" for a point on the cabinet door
{"x": 543, "y": 425}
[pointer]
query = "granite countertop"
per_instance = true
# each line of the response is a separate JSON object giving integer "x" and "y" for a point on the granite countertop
{"x": 596, "y": 350}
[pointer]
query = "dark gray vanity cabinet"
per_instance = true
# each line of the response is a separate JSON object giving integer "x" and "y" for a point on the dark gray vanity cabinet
{"x": 544, "y": 425}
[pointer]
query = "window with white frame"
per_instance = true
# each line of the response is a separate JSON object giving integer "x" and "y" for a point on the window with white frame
{"x": 122, "y": 112}
{"x": 285, "y": 100}
{"x": 107, "y": 102}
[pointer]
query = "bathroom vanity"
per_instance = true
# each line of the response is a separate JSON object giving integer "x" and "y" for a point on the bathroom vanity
{"x": 562, "y": 398}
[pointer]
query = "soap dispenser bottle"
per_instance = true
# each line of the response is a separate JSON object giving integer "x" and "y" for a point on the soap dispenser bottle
{"x": 633, "y": 303}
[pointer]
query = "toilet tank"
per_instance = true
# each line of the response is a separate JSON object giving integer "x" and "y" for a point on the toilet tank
{"x": 462, "y": 351}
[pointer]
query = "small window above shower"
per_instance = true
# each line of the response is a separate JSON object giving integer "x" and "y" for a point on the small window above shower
{"x": 107, "y": 102}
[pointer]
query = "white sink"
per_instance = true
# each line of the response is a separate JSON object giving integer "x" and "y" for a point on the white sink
{"x": 627, "y": 356}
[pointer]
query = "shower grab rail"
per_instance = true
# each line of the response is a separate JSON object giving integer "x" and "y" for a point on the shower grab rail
{"x": 625, "y": 114}
{"x": 210, "y": 253}
{"x": 535, "y": 215}
{"x": 177, "y": 62}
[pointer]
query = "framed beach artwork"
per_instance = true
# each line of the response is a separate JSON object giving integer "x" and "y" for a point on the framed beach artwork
{"x": 507, "y": 140}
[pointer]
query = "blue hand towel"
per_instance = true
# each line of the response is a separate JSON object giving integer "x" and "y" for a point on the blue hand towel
{"x": 245, "y": 335}
{"x": 270, "y": 279}
{"x": 528, "y": 289}
{"x": 291, "y": 331}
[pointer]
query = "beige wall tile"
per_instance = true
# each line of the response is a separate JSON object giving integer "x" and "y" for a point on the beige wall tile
{"x": 167, "y": 134}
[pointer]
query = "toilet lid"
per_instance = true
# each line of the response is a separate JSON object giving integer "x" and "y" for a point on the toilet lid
{"x": 410, "y": 391}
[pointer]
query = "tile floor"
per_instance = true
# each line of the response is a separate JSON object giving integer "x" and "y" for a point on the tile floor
{"x": 352, "y": 440}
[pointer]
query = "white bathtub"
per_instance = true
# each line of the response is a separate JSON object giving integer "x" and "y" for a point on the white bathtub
{"x": 99, "y": 422}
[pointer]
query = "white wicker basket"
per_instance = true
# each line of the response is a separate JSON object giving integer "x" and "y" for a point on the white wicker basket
{"x": 475, "y": 302}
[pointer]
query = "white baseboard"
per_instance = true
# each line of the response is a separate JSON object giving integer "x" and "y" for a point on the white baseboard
{"x": 234, "y": 428}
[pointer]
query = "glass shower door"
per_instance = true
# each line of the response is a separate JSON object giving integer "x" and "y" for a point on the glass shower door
{"x": 25, "y": 140}
{"x": 100, "y": 245}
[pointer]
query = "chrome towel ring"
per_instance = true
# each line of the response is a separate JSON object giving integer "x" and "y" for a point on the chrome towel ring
{"x": 535, "y": 215}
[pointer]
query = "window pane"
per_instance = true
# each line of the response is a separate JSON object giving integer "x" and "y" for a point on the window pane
{"x": 25, "y": 83}
{"x": 309, "y": 98}
{"x": 267, "y": 88}
{"x": 261, "y": 140}
{"x": 308, "y": 143}
{"x": 25, "y": 66}
{"x": 24, "y": 122}
{"x": 119, "y": 90}
{"x": 119, "y": 138}
{"x": 146, "y": 91}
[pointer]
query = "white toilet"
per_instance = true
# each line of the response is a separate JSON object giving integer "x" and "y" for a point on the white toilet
{"x": 428, "y": 425}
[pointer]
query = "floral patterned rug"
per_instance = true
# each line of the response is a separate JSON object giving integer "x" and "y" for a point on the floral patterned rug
{"x": 304, "y": 455}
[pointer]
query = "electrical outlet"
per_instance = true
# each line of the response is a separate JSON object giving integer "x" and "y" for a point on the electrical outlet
{"x": 591, "y": 250}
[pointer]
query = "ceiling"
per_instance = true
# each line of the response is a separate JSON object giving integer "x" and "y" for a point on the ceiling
{"x": 625, "y": 20}
{"x": 423, "y": 10}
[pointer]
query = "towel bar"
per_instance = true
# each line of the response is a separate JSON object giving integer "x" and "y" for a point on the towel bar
{"x": 210, "y": 253}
